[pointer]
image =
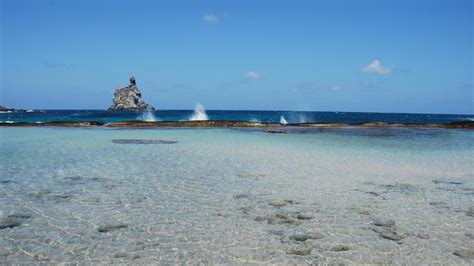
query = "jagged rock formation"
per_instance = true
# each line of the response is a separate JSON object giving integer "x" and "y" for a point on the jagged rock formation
{"x": 129, "y": 99}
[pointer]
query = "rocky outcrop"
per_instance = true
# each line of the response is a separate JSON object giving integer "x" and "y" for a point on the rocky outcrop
{"x": 129, "y": 99}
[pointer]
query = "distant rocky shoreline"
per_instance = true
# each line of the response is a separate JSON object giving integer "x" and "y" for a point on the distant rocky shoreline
{"x": 217, "y": 124}
{"x": 6, "y": 109}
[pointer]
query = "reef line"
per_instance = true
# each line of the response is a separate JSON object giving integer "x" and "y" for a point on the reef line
{"x": 211, "y": 124}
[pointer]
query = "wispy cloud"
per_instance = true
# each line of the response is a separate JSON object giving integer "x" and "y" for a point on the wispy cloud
{"x": 210, "y": 18}
{"x": 252, "y": 75}
{"x": 376, "y": 67}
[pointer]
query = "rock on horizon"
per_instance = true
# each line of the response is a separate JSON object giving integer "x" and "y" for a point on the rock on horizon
{"x": 129, "y": 99}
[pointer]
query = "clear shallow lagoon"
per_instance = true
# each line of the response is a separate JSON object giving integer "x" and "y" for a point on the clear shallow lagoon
{"x": 361, "y": 195}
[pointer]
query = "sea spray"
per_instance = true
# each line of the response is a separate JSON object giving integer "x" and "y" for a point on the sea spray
{"x": 148, "y": 116}
{"x": 199, "y": 113}
{"x": 283, "y": 120}
{"x": 302, "y": 119}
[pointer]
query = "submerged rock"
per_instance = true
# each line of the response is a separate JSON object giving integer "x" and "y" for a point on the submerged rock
{"x": 305, "y": 237}
{"x": 464, "y": 253}
{"x": 404, "y": 188}
{"x": 300, "y": 251}
{"x": 120, "y": 254}
{"x": 389, "y": 233}
{"x": 13, "y": 220}
{"x": 304, "y": 217}
{"x": 385, "y": 223}
{"x": 447, "y": 182}
{"x": 280, "y": 203}
{"x": 339, "y": 248}
{"x": 23, "y": 216}
{"x": 10, "y": 222}
{"x": 111, "y": 227}
{"x": 276, "y": 131}
{"x": 40, "y": 257}
{"x": 423, "y": 236}
{"x": 281, "y": 218}
{"x": 129, "y": 99}
{"x": 242, "y": 196}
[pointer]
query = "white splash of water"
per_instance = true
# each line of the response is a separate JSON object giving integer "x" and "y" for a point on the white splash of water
{"x": 199, "y": 113}
{"x": 283, "y": 120}
{"x": 148, "y": 116}
{"x": 303, "y": 119}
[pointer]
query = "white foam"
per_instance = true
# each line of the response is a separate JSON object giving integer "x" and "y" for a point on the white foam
{"x": 199, "y": 113}
{"x": 148, "y": 116}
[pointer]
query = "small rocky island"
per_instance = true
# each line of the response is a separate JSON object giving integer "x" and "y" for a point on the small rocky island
{"x": 129, "y": 99}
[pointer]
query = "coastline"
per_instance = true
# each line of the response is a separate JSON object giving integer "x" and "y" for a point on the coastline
{"x": 217, "y": 124}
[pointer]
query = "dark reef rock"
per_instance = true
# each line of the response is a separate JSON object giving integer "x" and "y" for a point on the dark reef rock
{"x": 280, "y": 203}
{"x": 304, "y": 217}
{"x": 382, "y": 222}
{"x": 386, "y": 229}
{"x": 300, "y": 251}
{"x": 464, "y": 253}
{"x": 279, "y": 218}
{"x": 111, "y": 227}
{"x": 10, "y": 222}
{"x": 305, "y": 237}
{"x": 14, "y": 220}
{"x": 129, "y": 99}
{"x": 276, "y": 131}
{"x": 446, "y": 182}
{"x": 339, "y": 248}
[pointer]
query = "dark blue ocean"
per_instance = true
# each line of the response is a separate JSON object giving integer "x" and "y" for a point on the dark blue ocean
{"x": 34, "y": 116}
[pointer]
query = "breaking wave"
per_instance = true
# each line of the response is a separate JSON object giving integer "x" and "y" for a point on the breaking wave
{"x": 148, "y": 117}
{"x": 199, "y": 114}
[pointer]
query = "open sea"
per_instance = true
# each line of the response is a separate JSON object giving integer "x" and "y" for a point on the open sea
{"x": 348, "y": 195}
{"x": 33, "y": 116}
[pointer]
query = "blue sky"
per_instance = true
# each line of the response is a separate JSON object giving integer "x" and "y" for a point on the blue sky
{"x": 376, "y": 56}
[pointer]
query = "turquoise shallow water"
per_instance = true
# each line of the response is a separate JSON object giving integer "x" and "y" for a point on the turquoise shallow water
{"x": 237, "y": 196}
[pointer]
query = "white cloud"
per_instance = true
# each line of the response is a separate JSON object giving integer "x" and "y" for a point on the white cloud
{"x": 210, "y": 18}
{"x": 377, "y": 68}
{"x": 252, "y": 75}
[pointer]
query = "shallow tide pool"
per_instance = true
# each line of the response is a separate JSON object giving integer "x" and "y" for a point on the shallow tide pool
{"x": 333, "y": 195}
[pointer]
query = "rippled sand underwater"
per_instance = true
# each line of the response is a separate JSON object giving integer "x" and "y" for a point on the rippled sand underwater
{"x": 347, "y": 195}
